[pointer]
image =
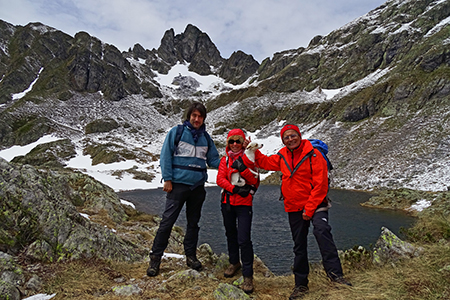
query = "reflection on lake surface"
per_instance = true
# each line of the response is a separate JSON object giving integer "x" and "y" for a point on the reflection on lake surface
{"x": 351, "y": 223}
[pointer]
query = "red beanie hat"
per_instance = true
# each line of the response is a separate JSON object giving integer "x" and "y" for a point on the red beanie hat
{"x": 290, "y": 126}
{"x": 235, "y": 134}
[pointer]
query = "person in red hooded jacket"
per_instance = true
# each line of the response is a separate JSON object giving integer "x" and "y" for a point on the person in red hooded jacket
{"x": 237, "y": 196}
{"x": 304, "y": 187}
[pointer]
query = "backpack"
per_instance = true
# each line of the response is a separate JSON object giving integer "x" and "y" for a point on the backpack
{"x": 323, "y": 148}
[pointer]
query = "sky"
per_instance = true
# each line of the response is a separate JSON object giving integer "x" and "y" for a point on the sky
{"x": 257, "y": 27}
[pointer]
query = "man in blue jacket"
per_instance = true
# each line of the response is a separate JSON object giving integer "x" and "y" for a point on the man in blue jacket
{"x": 186, "y": 152}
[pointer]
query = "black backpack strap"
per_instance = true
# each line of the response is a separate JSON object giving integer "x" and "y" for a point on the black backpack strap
{"x": 227, "y": 200}
{"x": 208, "y": 137}
{"x": 178, "y": 136}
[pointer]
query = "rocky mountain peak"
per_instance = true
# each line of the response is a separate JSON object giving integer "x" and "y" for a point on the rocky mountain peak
{"x": 192, "y": 46}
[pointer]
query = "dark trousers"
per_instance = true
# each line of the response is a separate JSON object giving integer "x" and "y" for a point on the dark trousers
{"x": 238, "y": 225}
{"x": 324, "y": 238}
{"x": 175, "y": 200}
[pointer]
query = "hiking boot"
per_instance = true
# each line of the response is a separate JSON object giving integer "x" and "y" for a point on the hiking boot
{"x": 155, "y": 262}
{"x": 193, "y": 263}
{"x": 247, "y": 286}
{"x": 341, "y": 280}
{"x": 231, "y": 270}
{"x": 299, "y": 292}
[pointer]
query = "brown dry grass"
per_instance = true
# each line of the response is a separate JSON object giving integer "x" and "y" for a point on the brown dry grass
{"x": 420, "y": 278}
{"x": 414, "y": 279}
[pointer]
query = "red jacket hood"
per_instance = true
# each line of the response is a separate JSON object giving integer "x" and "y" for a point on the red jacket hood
{"x": 232, "y": 132}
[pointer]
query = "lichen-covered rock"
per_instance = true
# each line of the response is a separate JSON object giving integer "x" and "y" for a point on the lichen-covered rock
{"x": 390, "y": 248}
{"x": 186, "y": 275}
{"x": 127, "y": 290}
{"x": 8, "y": 291}
{"x": 10, "y": 276}
{"x": 41, "y": 215}
{"x": 228, "y": 292}
{"x": 222, "y": 262}
{"x": 206, "y": 254}
{"x": 34, "y": 283}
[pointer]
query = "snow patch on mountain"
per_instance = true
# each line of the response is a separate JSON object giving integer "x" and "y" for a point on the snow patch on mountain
{"x": 14, "y": 151}
{"x": 211, "y": 84}
{"x": 22, "y": 94}
{"x": 438, "y": 27}
{"x": 367, "y": 81}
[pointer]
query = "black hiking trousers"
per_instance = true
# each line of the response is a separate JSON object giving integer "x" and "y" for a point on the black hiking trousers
{"x": 180, "y": 194}
{"x": 324, "y": 238}
{"x": 238, "y": 226}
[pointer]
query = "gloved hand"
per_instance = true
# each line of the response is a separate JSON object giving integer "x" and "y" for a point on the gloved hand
{"x": 242, "y": 191}
{"x": 239, "y": 165}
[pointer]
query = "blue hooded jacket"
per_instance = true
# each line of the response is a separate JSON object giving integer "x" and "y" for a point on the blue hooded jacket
{"x": 187, "y": 163}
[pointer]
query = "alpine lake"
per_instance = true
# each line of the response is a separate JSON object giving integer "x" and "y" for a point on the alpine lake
{"x": 352, "y": 224}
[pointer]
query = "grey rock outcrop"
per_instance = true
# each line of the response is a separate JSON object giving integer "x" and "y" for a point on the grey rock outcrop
{"x": 48, "y": 155}
{"x": 63, "y": 64}
{"x": 227, "y": 291}
{"x": 238, "y": 68}
{"x": 127, "y": 290}
{"x": 50, "y": 227}
{"x": 10, "y": 276}
{"x": 389, "y": 248}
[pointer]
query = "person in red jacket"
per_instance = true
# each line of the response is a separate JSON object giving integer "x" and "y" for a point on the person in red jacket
{"x": 304, "y": 190}
{"x": 237, "y": 196}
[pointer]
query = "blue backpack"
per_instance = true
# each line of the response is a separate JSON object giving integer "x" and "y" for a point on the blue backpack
{"x": 323, "y": 148}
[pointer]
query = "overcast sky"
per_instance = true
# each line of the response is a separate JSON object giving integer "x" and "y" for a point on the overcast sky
{"x": 257, "y": 27}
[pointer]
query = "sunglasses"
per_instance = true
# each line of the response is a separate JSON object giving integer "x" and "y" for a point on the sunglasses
{"x": 231, "y": 142}
{"x": 290, "y": 137}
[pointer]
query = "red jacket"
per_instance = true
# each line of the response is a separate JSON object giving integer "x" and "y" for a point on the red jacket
{"x": 307, "y": 187}
{"x": 224, "y": 176}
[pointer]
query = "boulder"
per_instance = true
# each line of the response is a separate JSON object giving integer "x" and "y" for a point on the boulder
{"x": 390, "y": 248}
{"x": 127, "y": 290}
{"x": 228, "y": 292}
{"x": 185, "y": 275}
{"x": 41, "y": 216}
{"x": 10, "y": 276}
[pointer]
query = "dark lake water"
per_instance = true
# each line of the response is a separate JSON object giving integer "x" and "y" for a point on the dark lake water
{"x": 351, "y": 223}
